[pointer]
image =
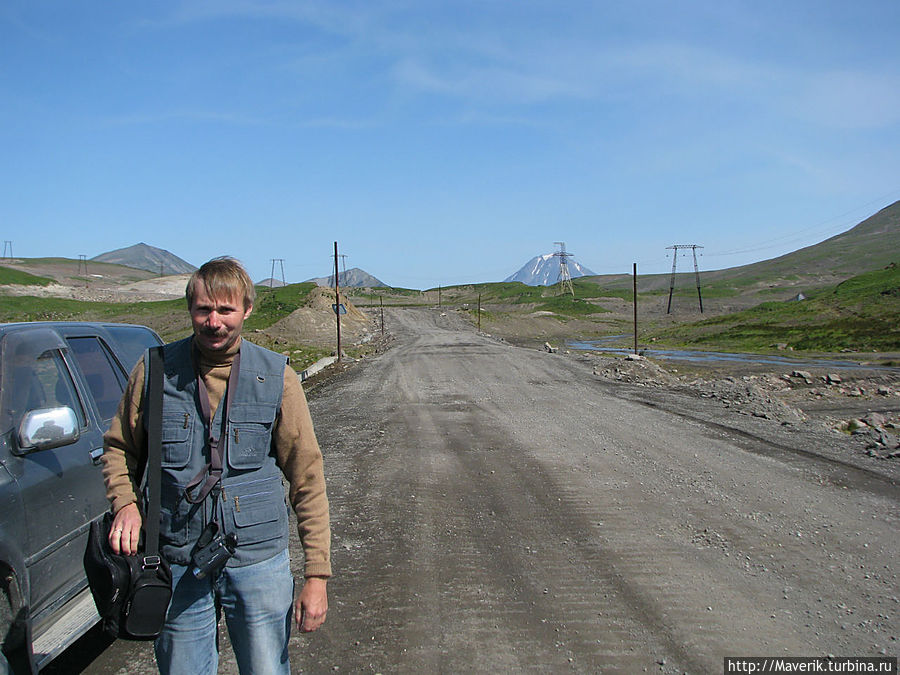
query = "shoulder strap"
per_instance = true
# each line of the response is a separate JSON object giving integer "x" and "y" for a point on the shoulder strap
{"x": 153, "y": 421}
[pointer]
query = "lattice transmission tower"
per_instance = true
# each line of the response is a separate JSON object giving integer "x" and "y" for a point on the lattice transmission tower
{"x": 564, "y": 279}
{"x": 279, "y": 261}
{"x": 675, "y": 248}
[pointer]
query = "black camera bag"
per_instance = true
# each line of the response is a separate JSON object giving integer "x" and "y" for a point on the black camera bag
{"x": 132, "y": 592}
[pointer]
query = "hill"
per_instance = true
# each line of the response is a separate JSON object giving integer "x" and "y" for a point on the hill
{"x": 872, "y": 244}
{"x": 860, "y": 314}
{"x": 144, "y": 257}
{"x": 352, "y": 278}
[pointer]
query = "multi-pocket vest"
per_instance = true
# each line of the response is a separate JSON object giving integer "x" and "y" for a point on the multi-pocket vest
{"x": 251, "y": 504}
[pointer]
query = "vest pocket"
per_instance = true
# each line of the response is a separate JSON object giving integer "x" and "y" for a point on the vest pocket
{"x": 175, "y": 435}
{"x": 258, "y": 510}
{"x": 250, "y": 436}
{"x": 180, "y": 522}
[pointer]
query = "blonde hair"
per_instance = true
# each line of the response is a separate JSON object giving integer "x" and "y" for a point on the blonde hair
{"x": 222, "y": 277}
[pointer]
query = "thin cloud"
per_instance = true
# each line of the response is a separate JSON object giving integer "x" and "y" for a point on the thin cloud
{"x": 485, "y": 83}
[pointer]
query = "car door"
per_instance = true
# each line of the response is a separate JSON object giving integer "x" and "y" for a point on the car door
{"x": 52, "y": 482}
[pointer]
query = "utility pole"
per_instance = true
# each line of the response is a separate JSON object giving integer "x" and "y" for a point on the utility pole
{"x": 7, "y": 246}
{"x": 635, "y": 311}
{"x": 337, "y": 302}
{"x": 381, "y": 298}
{"x": 479, "y": 312}
{"x": 675, "y": 248}
{"x": 564, "y": 279}
{"x": 272, "y": 275}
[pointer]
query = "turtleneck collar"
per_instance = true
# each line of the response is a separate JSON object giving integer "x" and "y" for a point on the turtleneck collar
{"x": 217, "y": 358}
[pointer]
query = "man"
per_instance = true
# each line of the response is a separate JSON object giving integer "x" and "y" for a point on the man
{"x": 225, "y": 397}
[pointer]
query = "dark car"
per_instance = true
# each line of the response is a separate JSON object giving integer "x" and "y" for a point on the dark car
{"x": 60, "y": 385}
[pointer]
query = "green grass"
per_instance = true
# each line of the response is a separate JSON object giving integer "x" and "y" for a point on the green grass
{"x": 270, "y": 306}
{"x": 540, "y": 298}
{"x": 859, "y": 314}
{"x": 18, "y": 277}
{"x": 568, "y": 306}
{"x": 29, "y": 308}
{"x": 273, "y": 304}
{"x": 170, "y": 318}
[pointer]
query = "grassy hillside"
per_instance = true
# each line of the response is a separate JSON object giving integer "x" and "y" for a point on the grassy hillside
{"x": 859, "y": 314}
{"x": 20, "y": 278}
{"x": 870, "y": 245}
{"x": 69, "y": 271}
{"x": 273, "y": 304}
{"x": 169, "y": 318}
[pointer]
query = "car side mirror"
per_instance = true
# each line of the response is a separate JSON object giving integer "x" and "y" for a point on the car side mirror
{"x": 47, "y": 428}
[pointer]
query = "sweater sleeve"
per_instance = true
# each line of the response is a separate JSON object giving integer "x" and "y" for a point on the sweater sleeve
{"x": 300, "y": 459}
{"x": 123, "y": 444}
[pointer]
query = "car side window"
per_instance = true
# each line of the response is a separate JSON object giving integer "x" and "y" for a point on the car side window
{"x": 97, "y": 366}
{"x": 44, "y": 382}
{"x": 133, "y": 342}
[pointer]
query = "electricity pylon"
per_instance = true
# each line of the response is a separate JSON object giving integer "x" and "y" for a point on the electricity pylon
{"x": 564, "y": 279}
{"x": 693, "y": 248}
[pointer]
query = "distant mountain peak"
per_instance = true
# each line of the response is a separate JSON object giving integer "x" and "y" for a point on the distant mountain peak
{"x": 543, "y": 270}
{"x": 352, "y": 278}
{"x": 145, "y": 257}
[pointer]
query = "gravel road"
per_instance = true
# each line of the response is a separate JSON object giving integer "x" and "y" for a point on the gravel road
{"x": 499, "y": 509}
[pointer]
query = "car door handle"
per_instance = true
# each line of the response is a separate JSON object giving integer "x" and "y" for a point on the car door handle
{"x": 96, "y": 454}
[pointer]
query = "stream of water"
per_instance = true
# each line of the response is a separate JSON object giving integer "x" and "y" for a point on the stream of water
{"x": 605, "y": 344}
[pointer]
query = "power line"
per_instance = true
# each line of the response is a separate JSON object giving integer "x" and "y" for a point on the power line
{"x": 797, "y": 235}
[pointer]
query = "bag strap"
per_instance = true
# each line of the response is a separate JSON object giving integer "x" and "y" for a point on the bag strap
{"x": 153, "y": 419}
{"x": 211, "y": 475}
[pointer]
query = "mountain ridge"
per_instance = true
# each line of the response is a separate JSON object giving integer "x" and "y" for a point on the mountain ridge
{"x": 149, "y": 258}
{"x": 544, "y": 270}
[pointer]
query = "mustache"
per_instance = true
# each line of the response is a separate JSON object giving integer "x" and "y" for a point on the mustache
{"x": 212, "y": 332}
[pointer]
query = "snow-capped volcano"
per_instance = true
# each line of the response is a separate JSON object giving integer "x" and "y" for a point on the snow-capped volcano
{"x": 543, "y": 270}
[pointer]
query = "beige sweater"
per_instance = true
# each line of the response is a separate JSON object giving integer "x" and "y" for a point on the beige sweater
{"x": 297, "y": 453}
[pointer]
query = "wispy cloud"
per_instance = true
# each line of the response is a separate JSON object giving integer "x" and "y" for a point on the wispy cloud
{"x": 486, "y": 83}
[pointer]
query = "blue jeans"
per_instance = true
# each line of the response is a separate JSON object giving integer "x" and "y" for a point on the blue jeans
{"x": 257, "y": 601}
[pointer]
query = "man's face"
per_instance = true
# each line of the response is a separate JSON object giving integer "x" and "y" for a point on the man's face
{"x": 217, "y": 322}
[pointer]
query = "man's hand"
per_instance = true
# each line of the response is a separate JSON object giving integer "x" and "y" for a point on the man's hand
{"x": 126, "y": 530}
{"x": 312, "y": 604}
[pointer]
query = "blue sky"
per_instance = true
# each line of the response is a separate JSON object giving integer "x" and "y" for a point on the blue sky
{"x": 445, "y": 142}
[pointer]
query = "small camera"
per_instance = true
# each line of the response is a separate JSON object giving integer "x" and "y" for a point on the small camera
{"x": 212, "y": 552}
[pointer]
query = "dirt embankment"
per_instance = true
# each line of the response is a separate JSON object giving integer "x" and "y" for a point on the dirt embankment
{"x": 315, "y": 322}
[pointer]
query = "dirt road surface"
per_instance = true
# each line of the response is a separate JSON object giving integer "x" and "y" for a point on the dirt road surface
{"x": 499, "y": 509}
